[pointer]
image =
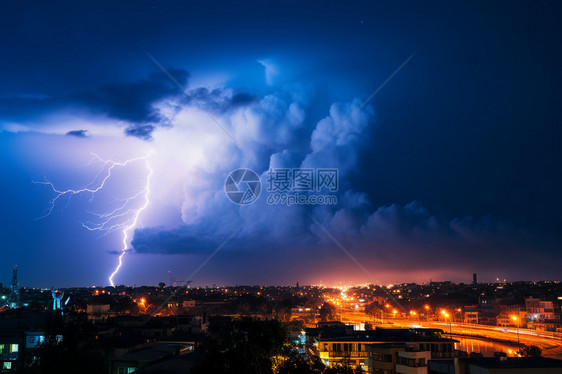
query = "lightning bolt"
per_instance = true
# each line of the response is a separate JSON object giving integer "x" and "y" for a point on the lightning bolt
{"x": 125, "y": 217}
{"x": 134, "y": 221}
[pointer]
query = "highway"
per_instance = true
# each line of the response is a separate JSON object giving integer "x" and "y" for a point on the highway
{"x": 549, "y": 342}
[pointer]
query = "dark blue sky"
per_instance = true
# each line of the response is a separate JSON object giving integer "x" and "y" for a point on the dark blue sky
{"x": 451, "y": 168}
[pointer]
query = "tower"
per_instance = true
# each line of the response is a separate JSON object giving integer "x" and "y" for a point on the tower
{"x": 15, "y": 290}
{"x": 474, "y": 281}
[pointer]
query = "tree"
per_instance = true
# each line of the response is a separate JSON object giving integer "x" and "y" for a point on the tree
{"x": 245, "y": 346}
{"x": 373, "y": 310}
{"x": 327, "y": 312}
{"x": 296, "y": 364}
{"x": 530, "y": 351}
{"x": 125, "y": 305}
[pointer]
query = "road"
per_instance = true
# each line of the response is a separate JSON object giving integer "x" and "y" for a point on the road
{"x": 550, "y": 343}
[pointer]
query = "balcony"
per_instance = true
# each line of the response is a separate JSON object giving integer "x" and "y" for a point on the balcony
{"x": 441, "y": 355}
{"x": 347, "y": 354}
{"x": 379, "y": 365}
{"x": 9, "y": 356}
{"x": 403, "y": 369}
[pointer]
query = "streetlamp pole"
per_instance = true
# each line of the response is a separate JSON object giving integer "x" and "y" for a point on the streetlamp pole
{"x": 518, "y": 344}
{"x": 449, "y": 317}
{"x": 517, "y": 319}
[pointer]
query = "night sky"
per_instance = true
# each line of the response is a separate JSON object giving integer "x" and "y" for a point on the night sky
{"x": 452, "y": 167}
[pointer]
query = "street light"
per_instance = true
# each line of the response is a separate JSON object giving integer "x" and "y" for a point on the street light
{"x": 515, "y": 318}
{"x": 426, "y": 307}
{"x": 446, "y": 315}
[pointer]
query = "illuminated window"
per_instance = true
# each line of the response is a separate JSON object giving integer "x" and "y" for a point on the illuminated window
{"x": 14, "y": 348}
{"x": 7, "y": 365}
{"x": 127, "y": 370}
{"x": 1, "y": 348}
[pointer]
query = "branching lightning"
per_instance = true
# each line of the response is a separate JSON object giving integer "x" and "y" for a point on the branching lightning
{"x": 124, "y": 218}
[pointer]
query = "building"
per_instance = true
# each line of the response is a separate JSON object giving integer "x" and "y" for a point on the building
{"x": 20, "y": 340}
{"x": 97, "y": 312}
{"x": 376, "y": 350}
{"x": 396, "y": 358}
{"x": 163, "y": 351}
{"x": 540, "y": 311}
{"x": 471, "y": 314}
{"x": 10, "y": 357}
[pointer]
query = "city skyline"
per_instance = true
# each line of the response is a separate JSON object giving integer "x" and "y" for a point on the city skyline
{"x": 430, "y": 131}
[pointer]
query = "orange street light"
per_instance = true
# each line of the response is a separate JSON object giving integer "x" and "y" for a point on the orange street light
{"x": 426, "y": 307}
{"x": 447, "y": 315}
{"x": 515, "y": 318}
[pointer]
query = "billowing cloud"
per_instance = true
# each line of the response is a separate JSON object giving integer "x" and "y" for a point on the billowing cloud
{"x": 189, "y": 213}
{"x": 133, "y": 102}
{"x": 139, "y": 106}
{"x": 406, "y": 238}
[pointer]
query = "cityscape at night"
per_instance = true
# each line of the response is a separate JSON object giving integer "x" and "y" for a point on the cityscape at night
{"x": 272, "y": 187}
